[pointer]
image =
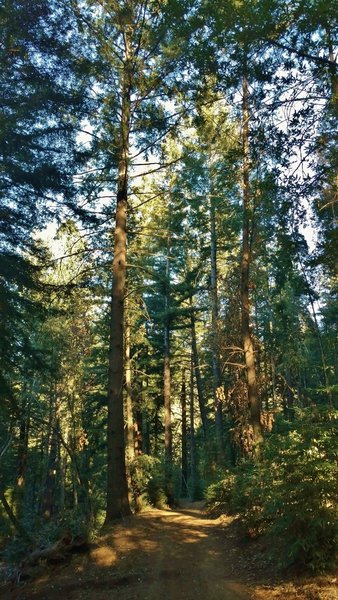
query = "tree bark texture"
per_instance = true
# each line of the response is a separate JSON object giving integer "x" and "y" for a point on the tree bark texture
{"x": 130, "y": 427}
{"x": 184, "y": 445}
{"x": 214, "y": 328}
{"x": 333, "y": 72}
{"x": 247, "y": 340}
{"x": 117, "y": 488}
{"x": 197, "y": 373}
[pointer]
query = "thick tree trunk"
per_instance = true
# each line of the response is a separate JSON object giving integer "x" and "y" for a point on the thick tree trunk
{"x": 214, "y": 328}
{"x": 248, "y": 346}
{"x": 117, "y": 488}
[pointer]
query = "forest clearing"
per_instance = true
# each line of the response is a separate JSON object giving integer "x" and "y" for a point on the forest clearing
{"x": 174, "y": 555}
{"x": 168, "y": 298}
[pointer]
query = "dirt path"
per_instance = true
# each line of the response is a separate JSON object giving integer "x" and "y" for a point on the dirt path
{"x": 159, "y": 555}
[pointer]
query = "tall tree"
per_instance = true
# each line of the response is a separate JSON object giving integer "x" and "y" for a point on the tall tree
{"x": 134, "y": 42}
{"x": 247, "y": 240}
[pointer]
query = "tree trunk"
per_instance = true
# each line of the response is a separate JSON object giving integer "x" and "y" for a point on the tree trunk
{"x": 168, "y": 450}
{"x": 48, "y": 501}
{"x": 117, "y": 488}
{"x": 193, "y": 461}
{"x": 157, "y": 426}
{"x": 141, "y": 434}
{"x": 184, "y": 446}
{"x": 22, "y": 453}
{"x": 197, "y": 372}
{"x": 214, "y": 329}
{"x": 333, "y": 72}
{"x": 63, "y": 471}
{"x": 248, "y": 347}
{"x": 130, "y": 428}
{"x": 17, "y": 525}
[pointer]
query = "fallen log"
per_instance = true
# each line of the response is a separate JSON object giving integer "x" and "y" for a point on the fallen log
{"x": 58, "y": 552}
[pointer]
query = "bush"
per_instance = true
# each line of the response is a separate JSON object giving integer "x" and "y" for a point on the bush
{"x": 196, "y": 489}
{"x": 219, "y": 495}
{"x": 71, "y": 524}
{"x": 252, "y": 487}
{"x": 290, "y": 493}
{"x": 147, "y": 482}
{"x": 302, "y": 503}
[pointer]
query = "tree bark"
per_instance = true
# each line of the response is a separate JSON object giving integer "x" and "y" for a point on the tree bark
{"x": 17, "y": 525}
{"x": 184, "y": 445}
{"x": 197, "y": 372}
{"x": 130, "y": 427}
{"x": 117, "y": 487}
{"x": 333, "y": 72}
{"x": 193, "y": 460}
{"x": 168, "y": 444}
{"x": 18, "y": 496}
{"x": 214, "y": 328}
{"x": 48, "y": 501}
{"x": 247, "y": 340}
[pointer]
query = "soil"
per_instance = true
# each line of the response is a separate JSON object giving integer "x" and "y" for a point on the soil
{"x": 179, "y": 554}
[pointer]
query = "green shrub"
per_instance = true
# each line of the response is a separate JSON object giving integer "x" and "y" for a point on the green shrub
{"x": 252, "y": 487}
{"x": 303, "y": 500}
{"x": 219, "y": 495}
{"x": 69, "y": 524}
{"x": 147, "y": 482}
{"x": 196, "y": 488}
{"x": 290, "y": 494}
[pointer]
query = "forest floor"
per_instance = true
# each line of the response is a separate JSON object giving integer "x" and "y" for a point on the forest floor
{"x": 180, "y": 554}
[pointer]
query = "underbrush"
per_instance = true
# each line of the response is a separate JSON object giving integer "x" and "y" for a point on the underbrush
{"x": 150, "y": 483}
{"x": 69, "y": 525}
{"x": 147, "y": 482}
{"x": 290, "y": 493}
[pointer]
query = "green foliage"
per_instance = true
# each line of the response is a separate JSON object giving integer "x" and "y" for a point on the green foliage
{"x": 72, "y": 523}
{"x": 196, "y": 488}
{"x": 69, "y": 524}
{"x": 15, "y": 551}
{"x": 219, "y": 494}
{"x": 147, "y": 482}
{"x": 5, "y": 528}
{"x": 290, "y": 494}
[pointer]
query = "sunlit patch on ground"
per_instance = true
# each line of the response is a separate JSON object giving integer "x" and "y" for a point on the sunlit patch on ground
{"x": 104, "y": 556}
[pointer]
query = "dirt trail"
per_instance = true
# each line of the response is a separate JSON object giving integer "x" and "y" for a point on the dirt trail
{"x": 158, "y": 555}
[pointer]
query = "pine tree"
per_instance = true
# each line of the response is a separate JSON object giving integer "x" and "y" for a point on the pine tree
{"x": 41, "y": 97}
{"x": 137, "y": 55}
